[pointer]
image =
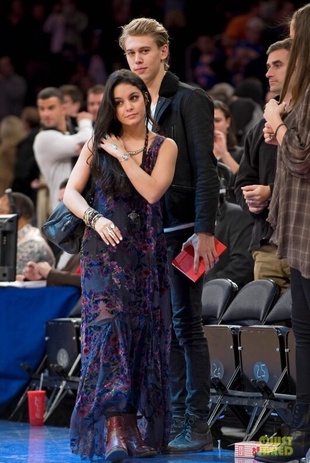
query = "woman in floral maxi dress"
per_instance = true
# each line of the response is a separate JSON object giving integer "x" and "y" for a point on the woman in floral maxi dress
{"x": 125, "y": 328}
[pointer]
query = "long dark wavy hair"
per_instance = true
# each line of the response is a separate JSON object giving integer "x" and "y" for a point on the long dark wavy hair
{"x": 103, "y": 165}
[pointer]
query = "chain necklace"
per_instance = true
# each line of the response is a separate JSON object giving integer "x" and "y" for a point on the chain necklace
{"x": 144, "y": 149}
{"x": 133, "y": 153}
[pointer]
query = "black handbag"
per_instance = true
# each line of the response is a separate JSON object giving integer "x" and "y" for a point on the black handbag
{"x": 64, "y": 229}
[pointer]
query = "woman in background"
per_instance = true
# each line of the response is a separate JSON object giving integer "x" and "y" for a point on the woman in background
{"x": 288, "y": 124}
{"x": 226, "y": 149}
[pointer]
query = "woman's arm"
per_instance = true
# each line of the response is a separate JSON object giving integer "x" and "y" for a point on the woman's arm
{"x": 152, "y": 187}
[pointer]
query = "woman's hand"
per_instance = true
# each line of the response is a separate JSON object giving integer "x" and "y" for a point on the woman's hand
{"x": 113, "y": 145}
{"x": 269, "y": 135}
{"x": 257, "y": 197}
{"x": 220, "y": 145}
{"x": 273, "y": 108}
{"x": 108, "y": 231}
{"x": 273, "y": 113}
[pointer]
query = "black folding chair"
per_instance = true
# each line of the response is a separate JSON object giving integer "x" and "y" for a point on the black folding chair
{"x": 252, "y": 303}
{"x": 225, "y": 371}
{"x": 217, "y": 294}
{"x": 280, "y": 313}
{"x": 264, "y": 372}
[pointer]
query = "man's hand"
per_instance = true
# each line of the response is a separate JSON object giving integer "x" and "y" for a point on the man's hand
{"x": 257, "y": 197}
{"x": 204, "y": 247}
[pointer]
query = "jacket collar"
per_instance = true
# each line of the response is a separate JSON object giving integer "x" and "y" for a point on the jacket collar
{"x": 169, "y": 85}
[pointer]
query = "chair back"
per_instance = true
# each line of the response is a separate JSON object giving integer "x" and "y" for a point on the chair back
{"x": 280, "y": 314}
{"x": 252, "y": 303}
{"x": 217, "y": 294}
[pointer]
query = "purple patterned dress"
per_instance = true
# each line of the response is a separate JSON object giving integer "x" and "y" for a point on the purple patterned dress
{"x": 125, "y": 329}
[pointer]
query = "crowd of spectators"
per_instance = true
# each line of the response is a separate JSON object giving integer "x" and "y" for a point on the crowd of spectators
{"x": 56, "y": 42}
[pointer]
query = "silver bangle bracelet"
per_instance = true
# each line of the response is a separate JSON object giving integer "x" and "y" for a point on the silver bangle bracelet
{"x": 124, "y": 157}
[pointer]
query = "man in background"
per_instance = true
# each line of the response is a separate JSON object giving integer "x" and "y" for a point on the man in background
{"x": 67, "y": 270}
{"x": 233, "y": 227}
{"x": 255, "y": 178}
{"x": 73, "y": 99}
{"x": 56, "y": 146}
{"x": 93, "y": 99}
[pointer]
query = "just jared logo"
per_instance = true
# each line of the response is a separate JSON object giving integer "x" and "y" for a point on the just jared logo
{"x": 276, "y": 445}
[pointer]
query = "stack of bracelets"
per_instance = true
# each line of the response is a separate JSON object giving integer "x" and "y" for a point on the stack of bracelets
{"x": 90, "y": 217}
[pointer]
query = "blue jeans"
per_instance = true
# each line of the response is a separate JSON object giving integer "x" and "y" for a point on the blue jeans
{"x": 189, "y": 361}
{"x": 300, "y": 288}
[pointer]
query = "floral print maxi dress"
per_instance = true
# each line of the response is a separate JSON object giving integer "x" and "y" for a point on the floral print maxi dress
{"x": 125, "y": 326}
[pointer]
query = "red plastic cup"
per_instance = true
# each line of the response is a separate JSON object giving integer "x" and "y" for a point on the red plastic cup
{"x": 36, "y": 407}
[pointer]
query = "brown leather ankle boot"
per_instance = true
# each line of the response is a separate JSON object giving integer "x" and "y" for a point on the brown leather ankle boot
{"x": 116, "y": 448}
{"x": 135, "y": 444}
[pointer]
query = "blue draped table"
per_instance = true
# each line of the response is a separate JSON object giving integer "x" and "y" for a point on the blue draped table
{"x": 23, "y": 315}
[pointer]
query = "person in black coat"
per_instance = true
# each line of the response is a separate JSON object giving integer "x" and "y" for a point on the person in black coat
{"x": 186, "y": 114}
{"x": 233, "y": 228}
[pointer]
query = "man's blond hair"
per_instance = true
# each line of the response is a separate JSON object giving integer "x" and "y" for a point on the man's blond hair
{"x": 146, "y": 26}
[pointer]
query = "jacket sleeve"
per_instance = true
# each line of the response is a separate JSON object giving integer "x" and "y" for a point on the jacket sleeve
{"x": 66, "y": 276}
{"x": 247, "y": 173}
{"x": 295, "y": 148}
{"x": 63, "y": 278}
{"x": 59, "y": 145}
{"x": 198, "y": 115}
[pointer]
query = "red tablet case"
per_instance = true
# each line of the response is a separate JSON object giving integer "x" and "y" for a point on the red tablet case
{"x": 184, "y": 261}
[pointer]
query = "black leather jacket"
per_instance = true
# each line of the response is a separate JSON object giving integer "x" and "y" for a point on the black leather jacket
{"x": 185, "y": 114}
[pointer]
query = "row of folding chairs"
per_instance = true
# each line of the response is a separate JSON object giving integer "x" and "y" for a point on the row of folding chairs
{"x": 259, "y": 302}
{"x": 252, "y": 352}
